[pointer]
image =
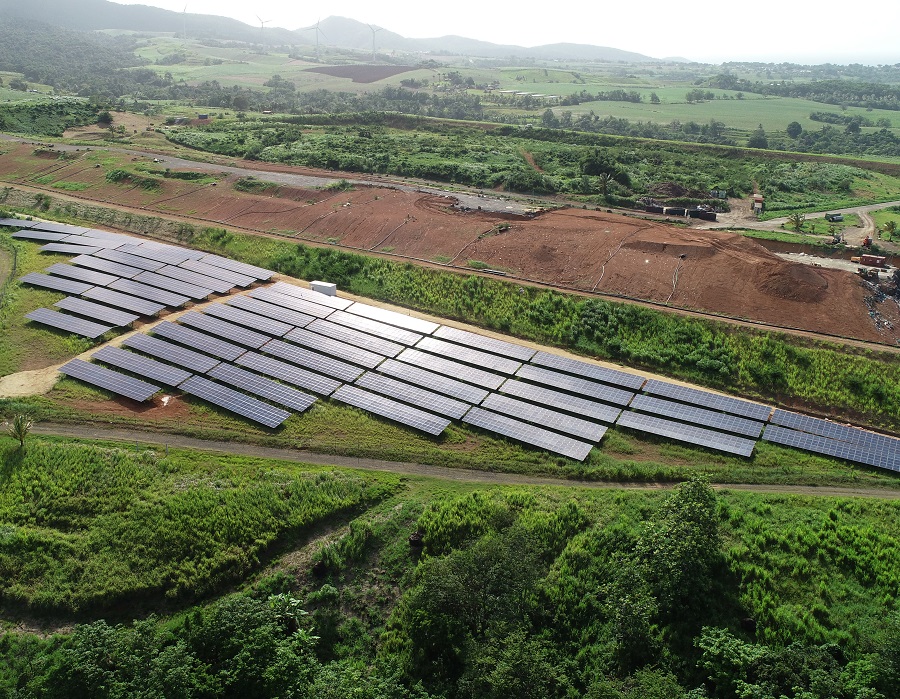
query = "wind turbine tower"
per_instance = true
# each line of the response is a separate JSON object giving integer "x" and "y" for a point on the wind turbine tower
{"x": 184, "y": 23}
{"x": 262, "y": 24}
{"x": 375, "y": 30}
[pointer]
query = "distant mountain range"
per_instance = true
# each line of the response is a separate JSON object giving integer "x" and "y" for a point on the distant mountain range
{"x": 334, "y": 32}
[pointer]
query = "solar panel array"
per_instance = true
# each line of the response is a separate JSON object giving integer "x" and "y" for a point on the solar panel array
{"x": 66, "y": 228}
{"x": 880, "y": 458}
{"x": 285, "y": 315}
{"x": 374, "y": 327}
{"x": 14, "y": 222}
{"x": 130, "y": 260}
{"x": 195, "y": 279}
{"x": 263, "y": 387}
{"x": 575, "y": 384}
{"x": 89, "y": 276}
{"x": 314, "y": 296}
{"x": 110, "y": 380}
{"x": 468, "y": 355}
{"x": 142, "y": 366}
{"x": 39, "y": 235}
{"x": 198, "y": 341}
{"x": 414, "y": 395}
{"x": 101, "y": 265}
{"x": 191, "y": 291}
{"x": 488, "y": 344}
{"x": 126, "y": 301}
{"x": 323, "y": 385}
{"x": 292, "y": 302}
{"x": 559, "y": 422}
{"x": 239, "y": 267}
{"x": 706, "y": 399}
{"x": 382, "y": 315}
{"x": 440, "y": 365}
{"x": 235, "y": 401}
{"x": 442, "y": 384}
{"x": 227, "y": 276}
{"x": 335, "y": 348}
{"x": 224, "y": 329}
{"x": 834, "y": 430}
{"x": 69, "y": 249}
{"x": 149, "y": 293}
{"x": 313, "y": 360}
{"x": 355, "y": 337}
{"x": 67, "y": 286}
{"x": 391, "y": 409}
{"x": 62, "y": 321}
{"x": 699, "y": 416}
{"x": 170, "y": 352}
{"x": 92, "y": 242}
{"x": 96, "y": 311}
{"x": 165, "y": 255}
{"x": 529, "y": 434}
{"x": 588, "y": 371}
{"x": 270, "y": 326}
{"x": 699, "y": 436}
{"x": 561, "y": 401}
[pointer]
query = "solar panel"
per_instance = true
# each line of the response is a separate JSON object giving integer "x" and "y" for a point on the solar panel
{"x": 104, "y": 314}
{"x": 355, "y": 337}
{"x": 392, "y": 410}
{"x": 310, "y": 295}
{"x": 198, "y": 280}
{"x": 107, "y": 235}
{"x": 268, "y": 310}
{"x": 22, "y": 223}
{"x": 90, "y": 242}
{"x": 575, "y": 384}
{"x": 66, "y": 228}
{"x": 225, "y": 275}
{"x": 707, "y": 399}
{"x": 834, "y": 430}
{"x": 150, "y": 293}
{"x": 198, "y": 341}
{"x": 468, "y": 355}
{"x": 561, "y": 401}
{"x": 549, "y": 419}
{"x": 488, "y": 344}
{"x": 235, "y": 401}
{"x": 56, "y": 283}
{"x": 263, "y": 387}
{"x": 373, "y": 327}
{"x": 167, "y": 255}
{"x": 383, "y": 315}
{"x": 174, "y": 286}
{"x": 130, "y": 260}
{"x": 699, "y": 416}
{"x": 142, "y": 366}
{"x": 434, "y": 382}
{"x": 698, "y": 436}
{"x": 288, "y": 372}
{"x": 102, "y": 265}
{"x": 313, "y": 360}
{"x": 88, "y": 276}
{"x": 129, "y": 303}
{"x": 831, "y": 447}
{"x": 251, "y": 320}
{"x": 174, "y": 354}
{"x": 335, "y": 348}
{"x": 414, "y": 395}
{"x": 112, "y": 381}
{"x": 224, "y": 329}
{"x": 292, "y": 302}
{"x": 71, "y": 324}
{"x": 39, "y": 235}
{"x": 239, "y": 267}
{"x": 588, "y": 371}
{"x": 448, "y": 367}
{"x": 529, "y": 434}
{"x": 67, "y": 249}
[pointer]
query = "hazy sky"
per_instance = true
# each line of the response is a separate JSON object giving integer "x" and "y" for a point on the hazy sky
{"x": 763, "y": 30}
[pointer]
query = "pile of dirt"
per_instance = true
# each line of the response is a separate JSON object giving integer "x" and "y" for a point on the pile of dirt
{"x": 711, "y": 271}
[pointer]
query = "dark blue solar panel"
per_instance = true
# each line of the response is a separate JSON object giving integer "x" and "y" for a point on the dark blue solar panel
{"x": 698, "y": 436}
{"x": 108, "y": 379}
{"x": 263, "y": 387}
{"x": 170, "y": 352}
{"x": 235, "y": 401}
{"x": 589, "y": 371}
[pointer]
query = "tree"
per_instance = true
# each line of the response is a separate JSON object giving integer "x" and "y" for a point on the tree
{"x": 20, "y": 427}
{"x": 796, "y": 221}
{"x": 794, "y": 129}
{"x": 654, "y": 98}
{"x": 758, "y": 139}
{"x": 104, "y": 118}
{"x": 604, "y": 179}
{"x": 890, "y": 228}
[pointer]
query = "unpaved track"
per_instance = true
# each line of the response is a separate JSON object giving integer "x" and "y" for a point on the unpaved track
{"x": 158, "y": 439}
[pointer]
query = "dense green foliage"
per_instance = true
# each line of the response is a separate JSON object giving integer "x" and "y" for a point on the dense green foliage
{"x": 825, "y": 377}
{"x": 45, "y": 118}
{"x": 526, "y": 592}
{"x": 90, "y": 527}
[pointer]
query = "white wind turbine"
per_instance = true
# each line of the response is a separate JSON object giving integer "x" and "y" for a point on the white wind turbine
{"x": 375, "y": 30}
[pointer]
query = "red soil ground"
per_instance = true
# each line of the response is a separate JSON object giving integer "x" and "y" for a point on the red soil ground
{"x": 586, "y": 250}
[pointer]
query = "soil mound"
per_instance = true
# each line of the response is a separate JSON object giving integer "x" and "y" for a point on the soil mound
{"x": 795, "y": 283}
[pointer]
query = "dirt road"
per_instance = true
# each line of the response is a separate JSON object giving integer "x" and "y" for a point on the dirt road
{"x": 161, "y": 440}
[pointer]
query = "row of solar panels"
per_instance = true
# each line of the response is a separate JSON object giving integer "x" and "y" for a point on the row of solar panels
{"x": 690, "y": 415}
{"x": 121, "y": 278}
{"x": 321, "y": 353}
